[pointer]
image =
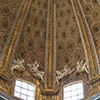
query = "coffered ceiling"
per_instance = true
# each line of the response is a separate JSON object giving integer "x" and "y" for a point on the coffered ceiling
{"x": 32, "y": 43}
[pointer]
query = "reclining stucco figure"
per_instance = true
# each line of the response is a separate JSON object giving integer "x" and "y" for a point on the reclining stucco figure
{"x": 34, "y": 69}
{"x": 17, "y": 64}
{"x": 82, "y": 66}
{"x": 59, "y": 75}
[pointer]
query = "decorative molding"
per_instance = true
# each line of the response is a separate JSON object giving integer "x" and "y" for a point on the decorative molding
{"x": 5, "y": 97}
{"x": 96, "y": 63}
{"x": 90, "y": 52}
{"x": 50, "y": 55}
{"x": 13, "y": 38}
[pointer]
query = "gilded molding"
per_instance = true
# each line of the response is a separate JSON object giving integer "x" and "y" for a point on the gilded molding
{"x": 50, "y": 49}
{"x": 14, "y": 36}
{"x": 90, "y": 52}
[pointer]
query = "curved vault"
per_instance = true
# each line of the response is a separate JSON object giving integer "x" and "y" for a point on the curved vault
{"x": 32, "y": 43}
{"x": 70, "y": 47}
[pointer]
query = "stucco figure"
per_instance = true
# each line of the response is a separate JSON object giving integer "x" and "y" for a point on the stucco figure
{"x": 34, "y": 69}
{"x": 82, "y": 66}
{"x": 17, "y": 64}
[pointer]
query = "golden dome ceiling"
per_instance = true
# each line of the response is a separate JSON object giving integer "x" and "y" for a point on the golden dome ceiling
{"x": 70, "y": 22}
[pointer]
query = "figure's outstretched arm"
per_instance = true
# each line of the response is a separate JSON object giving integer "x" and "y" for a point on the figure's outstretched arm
{"x": 86, "y": 68}
{"x": 15, "y": 61}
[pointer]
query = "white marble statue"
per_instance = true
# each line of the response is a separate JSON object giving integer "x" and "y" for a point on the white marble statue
{"x": 34, "y": 69}
{"x": 66, "y": 71}
{"x": 17, "y": 64}
{"x": 82, "y": 66}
